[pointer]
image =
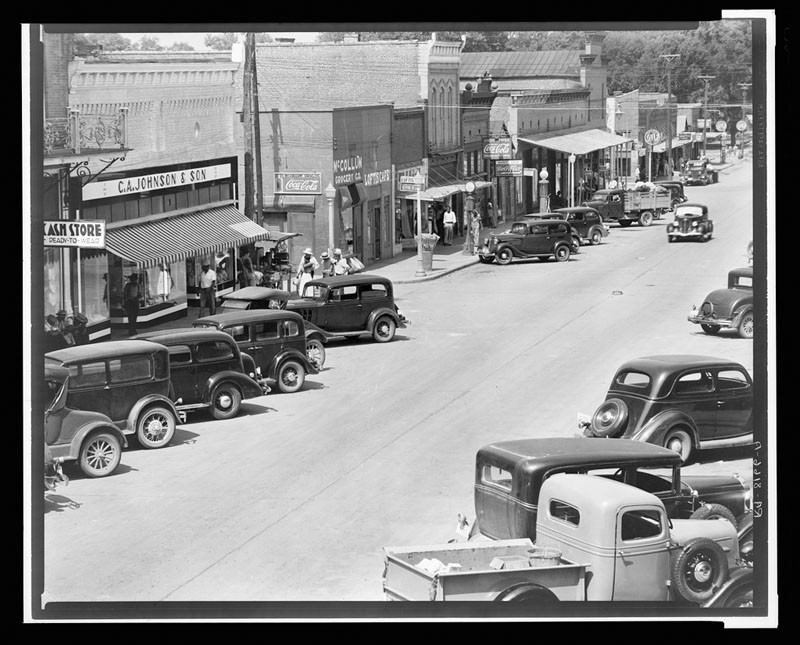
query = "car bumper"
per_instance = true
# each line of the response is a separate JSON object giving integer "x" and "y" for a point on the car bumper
{"x": 698, "y": 319}
{"x": 688, "y": 234}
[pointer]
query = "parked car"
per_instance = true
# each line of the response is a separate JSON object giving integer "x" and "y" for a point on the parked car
{"x": 676, "y": 189}
{"x": 682, "y": 402}
{"x": 509, "y": 475}
{"x": 351, "y": 306}
{"x": 533, "y": 238}
{"x": 208, "y": 371}
{"x": 254, "y": 298}
{"x": 699, "y": 171}
{"x": 586, "y": 221}
{"x": 642, "y": 205}
{"x": 126, "y": 380}
{"x": 691, "y": 222}
{"x": 730, "y": 308}
{"x": 274, "y": 338}
{"x": 84, "y": 436}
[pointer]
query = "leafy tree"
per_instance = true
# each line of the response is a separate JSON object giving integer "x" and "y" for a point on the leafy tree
{"x": 87, "y": 44}
{"x": 181, "y": 47}
{"x": 148, "y": 44}
{"x": 224, "y": 41}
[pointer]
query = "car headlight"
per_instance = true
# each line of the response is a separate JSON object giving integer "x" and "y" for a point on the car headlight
{"x": 694, "y": 224}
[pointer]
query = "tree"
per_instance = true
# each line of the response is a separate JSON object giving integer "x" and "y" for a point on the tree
{"x": 181, "y": 47}
{"x": 87, "y": 44}
{"x": 225, "y": 41}
{"x": 148, "y": 44}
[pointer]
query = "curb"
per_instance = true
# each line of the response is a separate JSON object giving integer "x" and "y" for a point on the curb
{"x": 438, "y": 274}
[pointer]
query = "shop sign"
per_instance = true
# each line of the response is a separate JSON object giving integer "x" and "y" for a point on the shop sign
{"x": 155, "y": 181}
{"x": 529, "y": 172}
{"x": 298, "y": 183}
{"x": 510, "y": 168}
{"x": 741, "y": 125}
{"x": 82, "y": 234}
{"x": 410, "y": 183}
{"x": 348, "y": 170}
{"x": 378, "y": 177}
{"x": 721, "y": 125}
{"x": 652, "y": 137}
{"x": 498, "y": 148}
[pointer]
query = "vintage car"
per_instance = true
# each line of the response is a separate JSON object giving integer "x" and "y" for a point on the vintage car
{"x": 677, "y": 190}
{"x": 208, "y": 371}
{"x": 351, "y": 306}
{"x": 509, "y": 475}
{"x": 274, "y": 338}
{"x": 586, "y": 221}
{"x": 682, "y": 402}
{"x": 699, "y": 171}
{"x": 532, "y": 238}
{"x": 126, "y": 380}
{"x": 89, "y": 438}
{"x": 642, "y": 205}
{"x": 254, "y": 298}
{"x": 730, "y": 308}
{"x": 691, "y": 222}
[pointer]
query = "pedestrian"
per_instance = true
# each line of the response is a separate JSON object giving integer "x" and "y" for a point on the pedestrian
{"x": 79, "y": 331}
{"x": 475, "y": 231}
{"x": 449, "y": 226}
{"x": 327, "y": 264}
{"x": 247, "y": 274}
{"x": 65, "y": 327}
{"x": 490, "y": 214}
{"x": 439, "y": 223}
{"x": 130, "y": 296}
{"x": 340, "y": 265}
{"x": 53, "y": 338}
{"x": 305, "y": 270}
{"x": 207, "y": 283}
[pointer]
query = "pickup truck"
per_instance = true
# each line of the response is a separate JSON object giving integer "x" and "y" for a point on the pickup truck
{"x": 596, "y": 540}
{"x": 629, "y": 206}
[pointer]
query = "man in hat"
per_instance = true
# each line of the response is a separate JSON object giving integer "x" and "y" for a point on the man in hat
{"x": 340, "y": 266}
{"x": 305, "y": 271}
{"x": 130, "y": 297}
{"x": 327, "y": 266}
{"x": 207, "y": 283}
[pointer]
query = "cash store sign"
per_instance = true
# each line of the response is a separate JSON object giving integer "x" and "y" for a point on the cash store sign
{"x": 83, "y": 234}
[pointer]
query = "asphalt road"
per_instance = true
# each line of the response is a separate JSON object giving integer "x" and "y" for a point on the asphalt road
{"x": 295, "y": 499}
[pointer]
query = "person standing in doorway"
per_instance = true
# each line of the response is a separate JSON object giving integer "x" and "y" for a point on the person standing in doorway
{"x": 130, "y": 296}
{"x": 208, "y": 289}
{"x": 449, "y": 226}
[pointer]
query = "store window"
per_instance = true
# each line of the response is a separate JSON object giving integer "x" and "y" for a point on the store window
{"x": 91, "y": 291}
{"x": 162, "y": 286}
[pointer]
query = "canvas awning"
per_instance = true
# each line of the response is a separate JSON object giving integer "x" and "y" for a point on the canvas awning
{"x": 174, "y": 238}
{"x": 352, "y": 195}
{"x": 435, "y": 193}
{"x": 676, "y": 143}
{"x": 293, "y": 203}
{"x": 577, "y": 143}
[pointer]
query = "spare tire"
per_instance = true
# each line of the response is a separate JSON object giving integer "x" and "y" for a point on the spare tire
{"x": 714, "y": 512}
{"x": 527, "y": 592}
{"x": 699, "y": 570}
{"x": 610, "y": 419}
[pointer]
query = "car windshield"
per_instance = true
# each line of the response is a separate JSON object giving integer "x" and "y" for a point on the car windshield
{"x": 232, "y": 303}
{"x": 316, "y": 292}
{"x": 519, "y": 229}
{"x": 688, "y": 211}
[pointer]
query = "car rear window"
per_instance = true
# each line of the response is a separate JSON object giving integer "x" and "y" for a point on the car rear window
{"x": 565, "y": 512}
{"x": 495, "y": 476}
{"x": 213, "y": 351}
{"x": 128, "y": 369}
{"x": 180, "y": 355}
{"x": 745, "y": 281}
{"x": 731, "y": 380}
{"x": 640, "y": 524}
{"x": 230, "y": 303}
{"x": 373, "y": 291}
{"x": 633, "y": 381}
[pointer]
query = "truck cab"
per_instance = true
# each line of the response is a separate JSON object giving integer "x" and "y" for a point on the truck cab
{"x": 633, "y": 550}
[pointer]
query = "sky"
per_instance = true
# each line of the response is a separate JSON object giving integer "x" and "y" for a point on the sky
{"x": 195, "y": 39}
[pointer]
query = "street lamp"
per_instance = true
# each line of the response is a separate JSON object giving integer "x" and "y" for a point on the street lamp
{"x": 330, "y": 194}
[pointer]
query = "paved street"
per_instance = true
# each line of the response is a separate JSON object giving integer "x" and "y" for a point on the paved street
{"x": 295, "y": 498}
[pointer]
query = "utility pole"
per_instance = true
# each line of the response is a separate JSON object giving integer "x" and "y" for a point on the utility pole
{"x": 256, "y": 131}
{"x": 705, "y": 80}
{"x": 247, "y": 119}
{"x": 744, "y": 87}
{"x": 670, "y": 58}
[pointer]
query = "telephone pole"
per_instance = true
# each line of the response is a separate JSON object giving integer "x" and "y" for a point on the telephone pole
{"x": 705, "y": 80}
{"x": 247, "y": 118}
{"x": 744, "y": 87}
{"x": 256, "y": 131}
{"x": 670, "y": 58}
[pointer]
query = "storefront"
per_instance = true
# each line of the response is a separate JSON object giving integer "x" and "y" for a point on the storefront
{"x": 161, "y": 224}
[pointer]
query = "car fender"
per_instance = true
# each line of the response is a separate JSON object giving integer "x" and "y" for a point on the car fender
{"x": 602, "y": 229}
{"x": 313, "y": 331}
{"x": 738, "y": 313}
{"x": 72, "y": 450}
{"x": 739, "y": 580}
{"x": 290, "y": 354}
{"x": 383, "y": 311}
{"x": 141, "y": 404}
{"x": 656, "y": 428}
{"x": 249, "y": 388}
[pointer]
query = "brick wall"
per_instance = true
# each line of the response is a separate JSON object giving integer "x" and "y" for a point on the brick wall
{"x": 57, "y": 56}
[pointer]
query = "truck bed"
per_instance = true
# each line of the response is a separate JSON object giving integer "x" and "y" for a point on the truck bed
{"x": 473, "y": 578}
{"x": 639, "y": 200}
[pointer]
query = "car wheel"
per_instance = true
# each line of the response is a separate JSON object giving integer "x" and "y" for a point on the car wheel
{"x": 745, "y": 534}
{"x": 504, "y": 256}
{"x": 291, "y": 376}
{"x": 100, "y": 455}
{"x": 527, "y": 592}
{"x": 315, "y": 351}
{"x": 679, "y": 441}
{"x": 711, "y": 330}
{"x": 610, "y": 418}
{"x": 225, "y": 401}
{"x": 596, "y": 238}
{"x": 646, "y": 218}
{"x": 577, "y": 242}
{"x": 745, "y": 328}
{"x": 485, "y": 259}
{"x": 562, "y": 253}
{"x": 155, "y": 427}
{"x": 384, "y": 329}
{"x": 699, "y": 570}
{"x": 713, "y": 512}
{"x": 625, "y": 223}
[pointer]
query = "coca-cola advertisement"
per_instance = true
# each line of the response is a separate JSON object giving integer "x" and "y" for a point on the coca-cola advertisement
{"x": 298, "y": 183}
{"x": 498, "y": 148}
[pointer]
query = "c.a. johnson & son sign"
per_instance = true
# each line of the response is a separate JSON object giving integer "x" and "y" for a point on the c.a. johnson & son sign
{"x": 155, "y": 181}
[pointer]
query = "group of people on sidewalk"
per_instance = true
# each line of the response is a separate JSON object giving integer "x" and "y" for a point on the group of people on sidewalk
{"x": 472, "y": 225}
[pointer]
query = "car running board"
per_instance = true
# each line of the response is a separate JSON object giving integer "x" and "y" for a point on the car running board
{"x": 724, "y": 443}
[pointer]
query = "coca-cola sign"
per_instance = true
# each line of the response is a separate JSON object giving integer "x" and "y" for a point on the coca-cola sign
{"x": 298, "y": 183}
{"x": 498, "y": 149}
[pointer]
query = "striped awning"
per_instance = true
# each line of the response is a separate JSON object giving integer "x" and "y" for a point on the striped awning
{"x": 178, "y": 237}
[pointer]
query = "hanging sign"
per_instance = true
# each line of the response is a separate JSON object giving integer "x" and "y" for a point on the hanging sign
{"x": 652, "y": 137}
{"x": 741, "y": 126}
{"x": 509, "y": 168}
{"x": 721, "y": 126}
{"x": 298, "y": 183}
{"x": 498, "y": 148}
{"x": 83, "y": 234}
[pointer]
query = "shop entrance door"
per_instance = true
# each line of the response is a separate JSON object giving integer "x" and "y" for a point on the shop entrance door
{"x": 376, "y": 237}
